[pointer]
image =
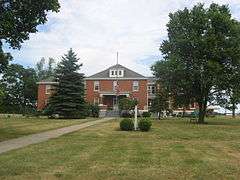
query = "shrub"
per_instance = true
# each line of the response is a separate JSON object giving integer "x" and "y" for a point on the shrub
{"x": 127, "y": 104}
{"x": 126, "y": 114}
{"x": 126, "y": 125}
{"x": 144, "y": 124}
{"x": 95, "y": 111}
{"x": 146, "y": 114}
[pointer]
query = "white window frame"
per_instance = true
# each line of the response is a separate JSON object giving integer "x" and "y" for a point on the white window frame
{"x": 151, "y": 88}
{"x": 135, "y": 86}
{"x": 48, "y": 89}
{"x": 116, "y": 73}
{"x": 96, "y": 84}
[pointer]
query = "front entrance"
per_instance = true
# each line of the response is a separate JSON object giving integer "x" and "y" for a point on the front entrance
{"x": 111, "y": 101}
{"x": 115, "y": 103}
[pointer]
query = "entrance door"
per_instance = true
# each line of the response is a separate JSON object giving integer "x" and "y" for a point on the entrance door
{"x": 115, "y": 103}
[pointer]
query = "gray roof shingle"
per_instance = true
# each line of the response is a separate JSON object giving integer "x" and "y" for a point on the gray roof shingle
{"x": 128, "y": 73}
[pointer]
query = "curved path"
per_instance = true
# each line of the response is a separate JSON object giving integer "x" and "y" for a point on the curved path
{"x": 44, "y": 136}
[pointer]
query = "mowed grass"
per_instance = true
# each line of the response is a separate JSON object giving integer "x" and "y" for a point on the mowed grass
{"x": 16, "y": 127}
{"x": 173, "y": 149}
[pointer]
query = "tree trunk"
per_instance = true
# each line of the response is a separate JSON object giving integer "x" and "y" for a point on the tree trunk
{"x": 159, "y": 115}
{"x": 233, "y": 110}
{"x": 202, "y": 111}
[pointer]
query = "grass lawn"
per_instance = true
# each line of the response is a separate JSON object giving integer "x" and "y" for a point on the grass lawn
{"x": 173, "y": 149}
{"x": 16, "y": 127}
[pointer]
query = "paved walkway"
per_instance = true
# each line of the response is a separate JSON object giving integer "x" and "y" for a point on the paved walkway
{"x": 44, "y": 136}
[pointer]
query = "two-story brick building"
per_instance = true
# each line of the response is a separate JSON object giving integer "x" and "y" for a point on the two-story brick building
{"x": 108, "y": 86}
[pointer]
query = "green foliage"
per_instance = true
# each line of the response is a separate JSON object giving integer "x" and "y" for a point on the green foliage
{"x": 126, "y": 114}
{"x": 126, "y": 124}
{"x": 144, "y": 124}
{"x": 94, "y": 109}
{"x": 127, "y": 104}
{"x": 146, "y": 114}
{"x": 45, "y": 71}
{"x": 160, "y": 103}
{"x": 19, "y": 88}
{"x": 68, "y": 100}
{"x": 20, "y": 18}
{"x": 202, "y": 49}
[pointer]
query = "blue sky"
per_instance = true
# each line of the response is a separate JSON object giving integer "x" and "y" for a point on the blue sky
{"x": 96, "y": 30}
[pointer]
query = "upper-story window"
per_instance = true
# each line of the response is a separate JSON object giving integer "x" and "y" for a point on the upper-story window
{"x": 96, "y": 86}
{"x": 48, "y": 89}
{"x": 116, "y": 73}
{"x": 135, "y": 85}
{"x": 151, "y": 89}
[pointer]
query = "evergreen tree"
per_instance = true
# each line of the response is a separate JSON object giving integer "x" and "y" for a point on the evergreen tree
{"x": 68, "y": 99}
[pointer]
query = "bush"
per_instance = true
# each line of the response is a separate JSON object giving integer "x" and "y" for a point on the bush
{"x": 146, "y": 114}
{"x": 95, "y": 111}
{"x": 126, "y": 114}
{"x": 126, "y": 125}
{"x": 144, "y": 124}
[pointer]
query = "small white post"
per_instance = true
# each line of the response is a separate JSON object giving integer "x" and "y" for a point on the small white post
{"x": 135, "y": 119}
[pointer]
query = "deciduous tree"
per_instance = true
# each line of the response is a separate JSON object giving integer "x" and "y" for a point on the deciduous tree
{"x": 160, "y": 103}
{"x": 19, "y": 18}
{"x": 202, "y": 47}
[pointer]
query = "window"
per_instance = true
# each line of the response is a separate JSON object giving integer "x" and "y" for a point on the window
{"x": 120, "y": 73}
{"x": 48, "y": 89}
{"x": 96, "y": 85}
{"x": 116, "y": 73}
{"x": 151, "y": 89}
{"x": 135, "y": 86}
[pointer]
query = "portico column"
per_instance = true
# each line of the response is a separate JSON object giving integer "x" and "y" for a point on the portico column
{"x": 101, "y": 99}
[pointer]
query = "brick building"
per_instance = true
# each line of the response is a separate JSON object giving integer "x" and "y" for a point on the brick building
{"x": 108, "y": 86}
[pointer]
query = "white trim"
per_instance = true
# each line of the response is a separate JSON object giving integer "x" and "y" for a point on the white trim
{"x": 95, "y": 84}
{"x": 47, "y": 83}
{"x": 114, "y": 94}
{"x": 115, "y": 78}
{"x": 135, "y": 84}
{"x": 48, "y": 88}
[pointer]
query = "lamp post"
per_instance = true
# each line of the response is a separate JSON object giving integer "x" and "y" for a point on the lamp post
{"x": 135, "y": 119}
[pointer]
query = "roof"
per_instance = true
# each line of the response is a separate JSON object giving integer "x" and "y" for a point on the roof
{"x": 49, "y": 80}
{"x": 151, "y": 80}
{"x": 128, "y": 73}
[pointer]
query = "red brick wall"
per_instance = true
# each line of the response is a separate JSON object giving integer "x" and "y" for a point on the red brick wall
{"x": 42, "y": 97}
{"x": 124, "y": 86}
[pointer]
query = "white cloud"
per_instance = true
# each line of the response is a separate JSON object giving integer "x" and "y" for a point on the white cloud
{"x": 96, "y": 30}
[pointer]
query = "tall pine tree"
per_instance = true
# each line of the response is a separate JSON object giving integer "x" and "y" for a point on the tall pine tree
{"x": 68, "y": 99}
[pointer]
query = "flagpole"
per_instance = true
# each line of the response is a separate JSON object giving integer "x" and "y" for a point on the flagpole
{"x": 117, "y": 84}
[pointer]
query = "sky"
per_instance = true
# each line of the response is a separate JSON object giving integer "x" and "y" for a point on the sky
{"x": 97, "y": 29}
